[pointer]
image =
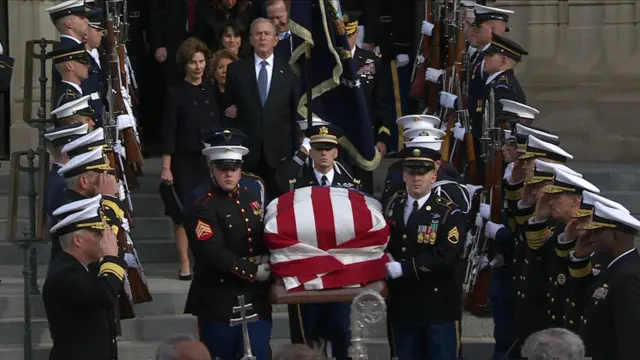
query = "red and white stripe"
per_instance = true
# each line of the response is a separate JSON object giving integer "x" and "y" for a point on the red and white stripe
{"x": 326, "y": 238}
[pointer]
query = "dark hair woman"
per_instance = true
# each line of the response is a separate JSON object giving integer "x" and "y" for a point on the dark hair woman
{"x": 234, "y": 38}
{"x": 190, "y": 106}
{"x": 218, "y": 77}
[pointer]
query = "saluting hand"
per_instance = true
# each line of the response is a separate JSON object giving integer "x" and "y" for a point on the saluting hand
{"x": 107, "y": 185}
{"x": 585, "y": 245}
{"x": 109, "y": 242}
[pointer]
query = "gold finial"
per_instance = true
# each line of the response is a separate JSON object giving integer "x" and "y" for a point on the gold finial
{"x": 324, "y": 130}
{"x": 416, "y": 152}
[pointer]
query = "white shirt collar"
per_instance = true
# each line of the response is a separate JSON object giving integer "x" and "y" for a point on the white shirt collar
{"x": 281, "y": 35}
{"x": 623, "y": 254}
{"x": 319, "y": 175}
{"x": 96, "y": 56}
{"x": 76, "y": 86}
{"x": 493, "y": 76}
{"x": 421, "y": 201}
{"x": 486, "y": 47}
{"x": 353, "y": 51}
{"x": 70, "y": 37}
{"x": 258, "y": 60}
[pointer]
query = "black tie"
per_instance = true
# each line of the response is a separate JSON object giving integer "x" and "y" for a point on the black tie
{"x": 415, "y": 206}
{"x": 324, "y": 181}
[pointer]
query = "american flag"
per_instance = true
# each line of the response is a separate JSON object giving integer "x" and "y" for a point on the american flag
{"x": 326, "y": 238}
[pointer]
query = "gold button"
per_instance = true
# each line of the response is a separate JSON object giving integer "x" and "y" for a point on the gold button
{"x": 404, "y": 248}
{"x": 249, "y": 229}
{"x": 567, "y": 301}
{"x": 550, "y": 278}
{"x": 249, "y": 239}
{"x": 549, "y": 312}
{"x": 564, "y": 317}
{"x": 518, "y": 292}
{"x": 428, "y": 207}
{"x": 548, "y": 295}
{"x": 581, "y": 317}
{"x": 571, "y": 322}
{"x": 553, "y": 300}
{"x": 555, "y": 283}
{"x": 243, "y": 271}
{"x": 595, "y": 302}
{"x": 573, "y": 304}
{"x": 435, "y": 289}
{"x": 237, "y": 201}
{"x": 524, "y": 278}
{"x": 251, "y": 276}
{"x": 242, "y": 210}
{"x": 404, "y": 236}
{"x": 230, "y": 226}
{"x": 553, "y": 317}
{"x": 221, "y": 280}
{"x": 246, "y": 220}
{"x": 514, "y": 278}
{"x": 585, "y": 321}
{"x": 236, "y": 268}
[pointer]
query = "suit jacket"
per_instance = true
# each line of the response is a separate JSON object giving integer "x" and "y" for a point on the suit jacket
{"x": 80, "y": 306}
{"x": 272, "y": 130}
{"x": 167, "y": 26}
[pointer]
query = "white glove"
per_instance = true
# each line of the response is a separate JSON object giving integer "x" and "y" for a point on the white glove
{"x": 433, "y": 75}
{"x": 458, "y": 132}
{"x": 394, "y": 270}
{"x": 263, "y": 273}
{"x": 485, "y": 211}
{"x": 427, "y": 28}
{"x": 491, "y": 229}
{"x": 420, "y": 59}
{"x": 125, "y": 225}
{"x": 479, "y": 220}
{"x": 306, "y": 144}
{"x": 402, "y": 60}
{"x": 125, "y": 121}
{"x": 473, "y": 188}
{"x": 447, "y": 100}
{"x": 443, "y": 126}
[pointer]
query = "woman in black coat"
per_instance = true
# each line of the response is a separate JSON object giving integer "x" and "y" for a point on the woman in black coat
{"x": 190, "y": 107}
{"x": 218, "y": 79}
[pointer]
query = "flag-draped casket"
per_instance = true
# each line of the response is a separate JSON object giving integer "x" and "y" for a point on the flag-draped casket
{"x": 324, "y": 238}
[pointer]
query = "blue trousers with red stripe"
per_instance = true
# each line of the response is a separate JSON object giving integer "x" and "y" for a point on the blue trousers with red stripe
{"x": 434, "y": 342}
{"x": 225, "y": 342}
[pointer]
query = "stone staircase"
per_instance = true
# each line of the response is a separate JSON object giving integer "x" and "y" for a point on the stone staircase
{"x": 163, "y": 317}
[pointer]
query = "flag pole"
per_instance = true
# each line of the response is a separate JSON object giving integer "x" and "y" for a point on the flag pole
{"x": 309, "y": 87}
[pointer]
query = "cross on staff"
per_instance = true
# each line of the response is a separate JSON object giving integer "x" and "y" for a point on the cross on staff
{"x": 244, "y": 320}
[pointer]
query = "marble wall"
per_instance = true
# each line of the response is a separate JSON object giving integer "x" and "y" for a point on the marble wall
{"x": 583, "y": 71}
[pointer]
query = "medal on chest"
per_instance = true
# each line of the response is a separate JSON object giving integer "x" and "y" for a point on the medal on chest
{"x": 257, "y": 209}
{"x": 601, "y": 292}
{"x": 479, "y": 106}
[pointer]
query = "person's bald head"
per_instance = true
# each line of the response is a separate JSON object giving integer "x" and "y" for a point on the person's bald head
{"x": 182, "y": 347}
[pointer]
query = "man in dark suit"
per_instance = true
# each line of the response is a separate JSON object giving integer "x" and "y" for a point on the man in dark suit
{"x": 82, "y": 285}
{"x": 266, "y": 93}
{"x": 277, "y": 12}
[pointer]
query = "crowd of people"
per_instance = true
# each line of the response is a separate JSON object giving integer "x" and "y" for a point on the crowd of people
{"x": 564, "y": 273}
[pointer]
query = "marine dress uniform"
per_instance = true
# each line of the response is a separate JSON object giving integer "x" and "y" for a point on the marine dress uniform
{"x": 424, "y": 289}
{"x": 80, "y": 301}
{"x": 225, "y": 235}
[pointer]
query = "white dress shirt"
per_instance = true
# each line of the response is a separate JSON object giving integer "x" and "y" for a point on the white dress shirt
{"x": 493, "y": 76}
{"x": 76, "y": 86}
{"x": 408, "y": 208}
{"x": 71, "y": 37}
{"x": 269, "y": 68}
{"x": 319, "y": 176}
{"x": 96, "y": 56}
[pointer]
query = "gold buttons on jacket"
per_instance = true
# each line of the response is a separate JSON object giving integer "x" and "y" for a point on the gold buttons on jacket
{"x": 404, "y": 236}
{"x": 404, "y": 248}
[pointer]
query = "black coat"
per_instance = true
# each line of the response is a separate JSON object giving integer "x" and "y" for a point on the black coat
{"x": 272, "y": 130}
{"x": 225, "y": 235}
{"x": 612, "y": 312}
{"x": 80, "y": 306}
{"x": 429, "y": 248}
{"x": 390, "y": 25}
{"x": 65, "y": 93}
{"x": 188, "y": 110}
{"x": 376, "y": 86}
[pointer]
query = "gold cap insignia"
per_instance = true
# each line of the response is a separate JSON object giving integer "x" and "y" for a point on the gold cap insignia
{"x": 324, "y": 130}
{"x": 416, "y": 152}
{"x": 228, "y": 149}
{"x": 226, "y": 132}
{"x": 417, "y": 118}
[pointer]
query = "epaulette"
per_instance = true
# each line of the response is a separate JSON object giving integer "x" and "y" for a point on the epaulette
{"x": 378, "y": 55}
{"x": 397, "y": 195}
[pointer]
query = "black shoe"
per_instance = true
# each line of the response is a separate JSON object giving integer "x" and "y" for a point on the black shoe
{"x": 184, "y": 277}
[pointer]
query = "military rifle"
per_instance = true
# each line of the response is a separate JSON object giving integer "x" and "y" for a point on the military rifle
{"x": 418, "y": 80}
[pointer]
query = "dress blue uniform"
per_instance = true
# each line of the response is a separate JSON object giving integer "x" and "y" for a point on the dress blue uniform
{"x": 424, "y": 288}
{"x": 310, "y": 323}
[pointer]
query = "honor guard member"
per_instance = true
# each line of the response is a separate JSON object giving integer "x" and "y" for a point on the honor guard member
{"x": 375, "y": 84}
{"x": 321, "y": 146}
{"x": 584, "y": 272}
{"x": 56, "y": 139}
{"x": 612, "y": 303}
{"x": 420, "y": 131}
{"x": 82, "y": 285}
{"x": 72, "y": 65}
{"x": 424, "y": 287}
{"x": 224, "y": 228}
{"x": 329, "y": 322}
{"x": 76, "y": 111}
{"x": 95, "y": 83}
{"x": 70, "y": 19}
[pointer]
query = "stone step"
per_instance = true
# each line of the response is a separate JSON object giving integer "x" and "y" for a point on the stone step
{"x": 149, "y": 250}
{"x": 144, "y": 205}
{"x": 145, "y": 228}
{"x": 474, "y": 349}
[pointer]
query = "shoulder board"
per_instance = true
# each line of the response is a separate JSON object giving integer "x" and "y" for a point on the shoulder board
{"x": 379, "y": 55}
{"x": 503, "y": 78}
{"x": 398, "y": 195}
{"x": 446, "y": 203}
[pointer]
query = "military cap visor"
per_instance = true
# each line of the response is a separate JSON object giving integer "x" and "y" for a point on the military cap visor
{"x": 506, "y": 47}
{"x": 605, "y": 217}
{"x": 76, "y": 52}
{"x": 227, "y": 164}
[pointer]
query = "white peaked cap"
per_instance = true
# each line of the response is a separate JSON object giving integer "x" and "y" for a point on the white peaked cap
{"x": 64, "y": 6}
{"x": 72, "y": 107}
{"x": 88, "y": 215}
{"x": 542, "y": 135}
{"x": 536, "y": 143}
{"x": 428, "y": 142}
{"x": 483, "y": 9}
{"x": 591, "y": 199}
{"x": 84, "y": 160}
{"x": 418, "y": 121}
{"x": 565, "y": 182}
{"x": 543, "y": 166}
{"x": 613, "y": 218}
{"x": 78, "y": 205}
{"x": 225, "y": 152}
{"x": 315, "y": 121}
{"x": 90, "y": 138}
{"x": 415, "y": 132}
{"x": 521, "y": 110}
